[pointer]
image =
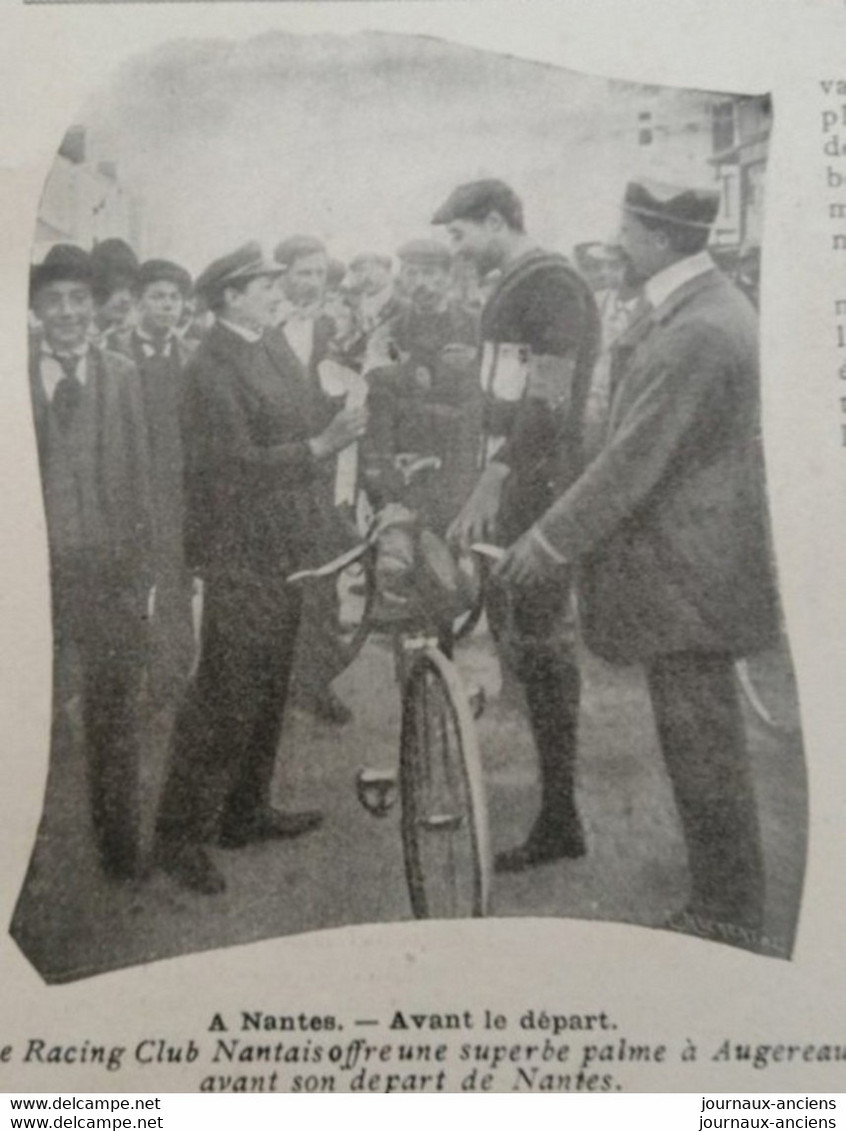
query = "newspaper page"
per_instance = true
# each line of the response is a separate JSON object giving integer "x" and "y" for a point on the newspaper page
{"x": 423, "y": 429}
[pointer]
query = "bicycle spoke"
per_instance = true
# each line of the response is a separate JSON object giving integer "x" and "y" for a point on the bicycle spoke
{"x": 440, "y": 833}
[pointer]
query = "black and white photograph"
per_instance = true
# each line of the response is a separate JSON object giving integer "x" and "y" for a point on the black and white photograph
{"x": 398, "y": 417}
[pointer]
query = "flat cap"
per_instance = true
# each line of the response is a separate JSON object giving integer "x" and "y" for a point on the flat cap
{"x": 64, "y": 262}
{"x": 689, "y": 207}
{"x": 163, "y": 271}
{"x": 476, "y": 199}
{"x": 247, "y": 262}
{"x": 297, "y": 247}
{"x": 365, "y": 257}
{"x": 428, "y": 252}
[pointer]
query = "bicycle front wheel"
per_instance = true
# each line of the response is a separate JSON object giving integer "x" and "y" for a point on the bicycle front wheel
{"x": 444, "y": 812}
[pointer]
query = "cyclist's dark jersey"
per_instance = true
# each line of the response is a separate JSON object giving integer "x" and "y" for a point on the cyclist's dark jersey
{"x": 543, "y": 305}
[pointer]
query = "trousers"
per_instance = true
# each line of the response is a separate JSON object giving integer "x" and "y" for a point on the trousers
{"x": 535, "y": 632}
{"x": 227, "y": 730}
{"x": 701, "y": 732}
{"x": 100, "y": 616}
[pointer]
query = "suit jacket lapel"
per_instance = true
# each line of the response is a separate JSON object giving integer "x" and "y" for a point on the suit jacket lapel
{"x": 282, "y": 354}
{"x": 324, "y": 332}
{"x": 640, "y": 327}
{"x": 242, "y": 356}
{"x": 647, "y": 318}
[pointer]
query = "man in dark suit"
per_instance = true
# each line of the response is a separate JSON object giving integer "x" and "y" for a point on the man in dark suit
{"x": 92, "y": 448}
{"x": 159, "y": 356}
{"x": 251, "y": 458}
{"x": 539, "y": 334}
{"x": 669, "y": 525}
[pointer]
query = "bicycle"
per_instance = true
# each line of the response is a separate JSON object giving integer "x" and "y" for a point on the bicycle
{"x": 439, "y": 782}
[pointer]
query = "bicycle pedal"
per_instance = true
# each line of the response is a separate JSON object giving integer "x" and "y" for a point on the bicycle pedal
{"x": 376, "y": 790}
{"x": 442, "y": 822}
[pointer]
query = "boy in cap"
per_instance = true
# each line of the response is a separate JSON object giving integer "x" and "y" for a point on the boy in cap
{"x": 92, "y": 448}
{"x": 540, "y": 333}
{"x": 251, "y": 458}
{"x": 159, "y": 355}
{"x": 669, "y": 524}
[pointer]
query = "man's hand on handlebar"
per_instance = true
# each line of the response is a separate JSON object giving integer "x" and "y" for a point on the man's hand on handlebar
{"x": 458, "y": 353}
{"x": 344, "y": 429}
{"x": 476, "y": 521}
{"x": 526, "y": 564}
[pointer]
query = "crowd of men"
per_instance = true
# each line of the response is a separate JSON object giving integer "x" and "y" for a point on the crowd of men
{"x": 600, "y": 424}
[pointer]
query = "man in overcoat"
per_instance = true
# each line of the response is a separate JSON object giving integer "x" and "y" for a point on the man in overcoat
{"x": 92, "y": 448}
{"x": 159, "y": 356}
{"x": 669, "y": 526}
{"x": 251, "y": 458}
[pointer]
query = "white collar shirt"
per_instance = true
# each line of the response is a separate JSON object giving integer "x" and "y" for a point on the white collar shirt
{"x": 244, "y": 332}
{"x": 149, "y": 345}
{"x": 299, "y": 332}
{"x": 372, "y": 305}
{"x": 51, "y": 371}
{"x": 665, "y": 283}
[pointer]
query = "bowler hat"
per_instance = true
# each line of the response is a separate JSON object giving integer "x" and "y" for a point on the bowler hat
{"x": 241, "y": 265}
{"x": 114, "y": 254}
{"x": 64, "y": 262}
{"x": 427, "y": 252}
{"x": 687, "y": 207}
{"x": 162, "y": 271}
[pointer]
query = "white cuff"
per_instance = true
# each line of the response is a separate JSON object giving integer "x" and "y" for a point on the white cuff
{"x": 538, "y": 536}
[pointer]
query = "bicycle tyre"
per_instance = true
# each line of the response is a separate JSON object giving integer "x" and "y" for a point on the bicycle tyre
{"x": 445, "y": 840}
{"x": 464, "y": 626}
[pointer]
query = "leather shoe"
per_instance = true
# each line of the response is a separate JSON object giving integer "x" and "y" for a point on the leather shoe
{"x": 191, "y": 867}
{"x": 541, "y": 849}
{"x": 272, "y": 824}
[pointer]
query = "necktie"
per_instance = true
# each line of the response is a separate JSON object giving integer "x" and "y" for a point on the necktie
{"x": 68, "y": 392}
{"x": 640, "y": 323}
